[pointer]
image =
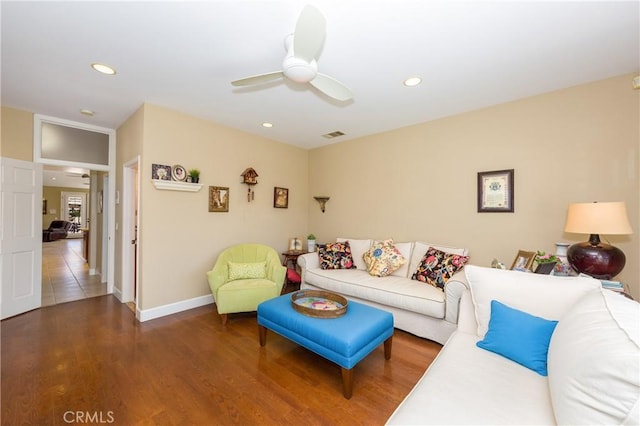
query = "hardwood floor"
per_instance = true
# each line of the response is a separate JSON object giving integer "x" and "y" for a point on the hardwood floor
{"x": 91, "y": 359}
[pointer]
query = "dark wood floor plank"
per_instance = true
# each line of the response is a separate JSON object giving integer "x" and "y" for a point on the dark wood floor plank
{"x": 92, "y": 357}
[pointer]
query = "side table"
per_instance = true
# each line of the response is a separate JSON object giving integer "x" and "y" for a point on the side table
{"x": 291, "y": 262}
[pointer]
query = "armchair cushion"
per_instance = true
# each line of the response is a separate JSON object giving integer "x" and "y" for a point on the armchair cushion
{"x": 246, "y": 270}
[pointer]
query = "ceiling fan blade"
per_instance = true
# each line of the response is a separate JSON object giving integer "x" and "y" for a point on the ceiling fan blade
{"x": 257, "y": 79}
{"x": 309, "y": 34}
{"x": 331, "y": 87}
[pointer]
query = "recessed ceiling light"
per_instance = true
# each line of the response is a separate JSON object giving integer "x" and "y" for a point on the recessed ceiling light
{"x": 267, "y": 125}
{"x": 104, "y": 69}
{"x": 86, "y": 112}
{"x": 412, "y": 81}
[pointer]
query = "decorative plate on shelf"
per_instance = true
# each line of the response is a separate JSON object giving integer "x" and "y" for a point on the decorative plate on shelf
{"x": 319, "y": 304}
{"x": 178, "y": 173}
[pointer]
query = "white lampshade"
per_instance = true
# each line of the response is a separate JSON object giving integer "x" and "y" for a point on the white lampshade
{"x": 598, "y": 218}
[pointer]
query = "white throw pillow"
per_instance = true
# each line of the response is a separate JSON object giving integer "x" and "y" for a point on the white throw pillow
{"x": 594, "y": 362}
{"x": 358, "y": 248}
{"x": 420, "y": 248}
{"x": 544, "y": 296}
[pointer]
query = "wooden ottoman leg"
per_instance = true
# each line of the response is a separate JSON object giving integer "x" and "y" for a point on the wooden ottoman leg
{"x": 347, "y": 382}
{"x": 262, "y": 334}
{"x": 387, "y": 348}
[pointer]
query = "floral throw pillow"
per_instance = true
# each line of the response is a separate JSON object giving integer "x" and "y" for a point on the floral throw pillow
{"x": 335, "y": 256}
{"x": 436, "y": 267}
{"x": 383, "y": 258}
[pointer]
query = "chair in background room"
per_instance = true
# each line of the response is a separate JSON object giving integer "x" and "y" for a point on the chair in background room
{"x": 57, "y": 230}
{"x": 244, "y": 276}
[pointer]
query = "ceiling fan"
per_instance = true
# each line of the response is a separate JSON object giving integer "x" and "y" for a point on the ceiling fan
{"x": 300, "y": 63}
{"x": 80, "y": 175}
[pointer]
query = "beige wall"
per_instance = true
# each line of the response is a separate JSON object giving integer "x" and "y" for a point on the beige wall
{"x": 16, "y": 134}
{"x": 419, "y": 183}
{"x": 179, "y": 238}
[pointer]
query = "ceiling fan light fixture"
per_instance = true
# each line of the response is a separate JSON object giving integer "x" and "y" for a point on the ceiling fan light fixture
{"x": 412, "y": 81}
{"x": 104, "y": 69}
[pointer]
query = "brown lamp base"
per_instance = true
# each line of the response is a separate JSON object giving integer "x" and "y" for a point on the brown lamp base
{"x": 597, "y": 259}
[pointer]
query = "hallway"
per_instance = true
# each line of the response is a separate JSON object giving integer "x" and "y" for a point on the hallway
{"x": 65, "y": 274}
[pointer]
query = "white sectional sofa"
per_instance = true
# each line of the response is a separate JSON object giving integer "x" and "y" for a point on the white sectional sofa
{"x": 418, "y": 308}
{"x": 593, "y": 358}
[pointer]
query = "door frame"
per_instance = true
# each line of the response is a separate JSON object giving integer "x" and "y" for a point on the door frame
{"x": 130, "y": 222}
{"x": 110, "y": 168}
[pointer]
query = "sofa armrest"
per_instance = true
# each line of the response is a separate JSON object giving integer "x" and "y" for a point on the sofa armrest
{"x": 306, "y": 262}
{"x": 467, "y": 315}
{"x": 453, "y": 290}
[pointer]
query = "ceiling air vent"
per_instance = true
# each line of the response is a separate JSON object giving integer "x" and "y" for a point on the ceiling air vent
{"x": 333, "y": 134}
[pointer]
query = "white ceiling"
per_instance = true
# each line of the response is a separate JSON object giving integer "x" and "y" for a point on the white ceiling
{"x": 183, "y": 55}
{"x": 65, "y": 177}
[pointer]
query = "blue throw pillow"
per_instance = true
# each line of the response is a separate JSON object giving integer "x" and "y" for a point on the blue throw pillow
{"x": 519, "y": 336}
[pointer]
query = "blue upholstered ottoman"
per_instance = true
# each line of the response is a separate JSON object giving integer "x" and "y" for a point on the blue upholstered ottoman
{"x": 344, "y": 340}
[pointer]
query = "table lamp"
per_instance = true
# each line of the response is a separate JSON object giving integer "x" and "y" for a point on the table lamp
{"x": 595, "y": 258}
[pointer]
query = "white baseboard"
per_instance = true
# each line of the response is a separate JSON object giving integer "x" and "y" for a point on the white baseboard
{"x": 173, "y": 308}
{"x": 117, "y": 293}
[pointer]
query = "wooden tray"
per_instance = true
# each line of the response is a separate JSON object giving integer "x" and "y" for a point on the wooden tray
{"x": 319, "y": 304}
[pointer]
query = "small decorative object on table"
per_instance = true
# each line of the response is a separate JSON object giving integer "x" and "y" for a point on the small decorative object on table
{"x": 562, "y": 268}
{"x": 546, "y": 262}
{"x": 319, "y": 304}
{"x": 311, "y": 243}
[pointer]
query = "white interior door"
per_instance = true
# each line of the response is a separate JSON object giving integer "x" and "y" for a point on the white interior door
{"x": 21, "y": 236}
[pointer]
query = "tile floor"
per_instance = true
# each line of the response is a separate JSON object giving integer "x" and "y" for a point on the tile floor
{"x": 65, "y": 274}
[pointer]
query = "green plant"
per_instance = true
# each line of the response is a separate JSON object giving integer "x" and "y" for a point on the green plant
{"x": 194, "y": 173}
{"x": 311, "y": 237}
{"x": 542, "y": 257}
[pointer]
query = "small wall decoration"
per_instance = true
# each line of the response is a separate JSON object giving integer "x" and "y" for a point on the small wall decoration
{"x": 178, "y": 173}
{"x": 160, "y": 172}
{"x": 523, "y": 261}
{"x": 249, "y": 177}
{"x": 495, "y": 191}
{"x": 218, "y": 199}
{"x": 280, "y": 197}
{"x": 44, "y": 206}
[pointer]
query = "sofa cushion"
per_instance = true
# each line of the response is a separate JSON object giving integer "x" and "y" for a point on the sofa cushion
{"x": 398, "y": 292}
{"x": 519, "y": 336}
{"x": 246, "y": 270}
{"x": 544, "y": 296}
{"x": 335, "y": 256}
{"x": 358, "y": 247}
{"x": 466, "y": 385}
{"x": 594, "y": 367}
{"x": 436, "y": 267}
{"x": 420, "y": 248}
{"x": 383, "y": 258}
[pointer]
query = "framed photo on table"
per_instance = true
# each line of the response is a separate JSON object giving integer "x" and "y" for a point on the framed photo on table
{"x": 523, "y": 261}
{"x": 495, "y": 191}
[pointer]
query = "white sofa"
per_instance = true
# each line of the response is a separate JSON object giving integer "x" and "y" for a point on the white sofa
{"x": 593, "y": 358}
{"x": 418, "y": 308}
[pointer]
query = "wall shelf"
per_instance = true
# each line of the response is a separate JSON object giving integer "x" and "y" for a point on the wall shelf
{"x": 171, "y": 185}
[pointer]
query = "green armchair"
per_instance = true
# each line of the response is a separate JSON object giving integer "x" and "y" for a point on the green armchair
{"x": 244, "y": 276}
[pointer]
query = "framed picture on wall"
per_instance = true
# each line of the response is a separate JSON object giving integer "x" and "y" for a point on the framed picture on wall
{"x": 218, "y": 199}
{"x": 280, "y": 197}
{"x": 495, "y": 191}
{"x": 44, "y": 206}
